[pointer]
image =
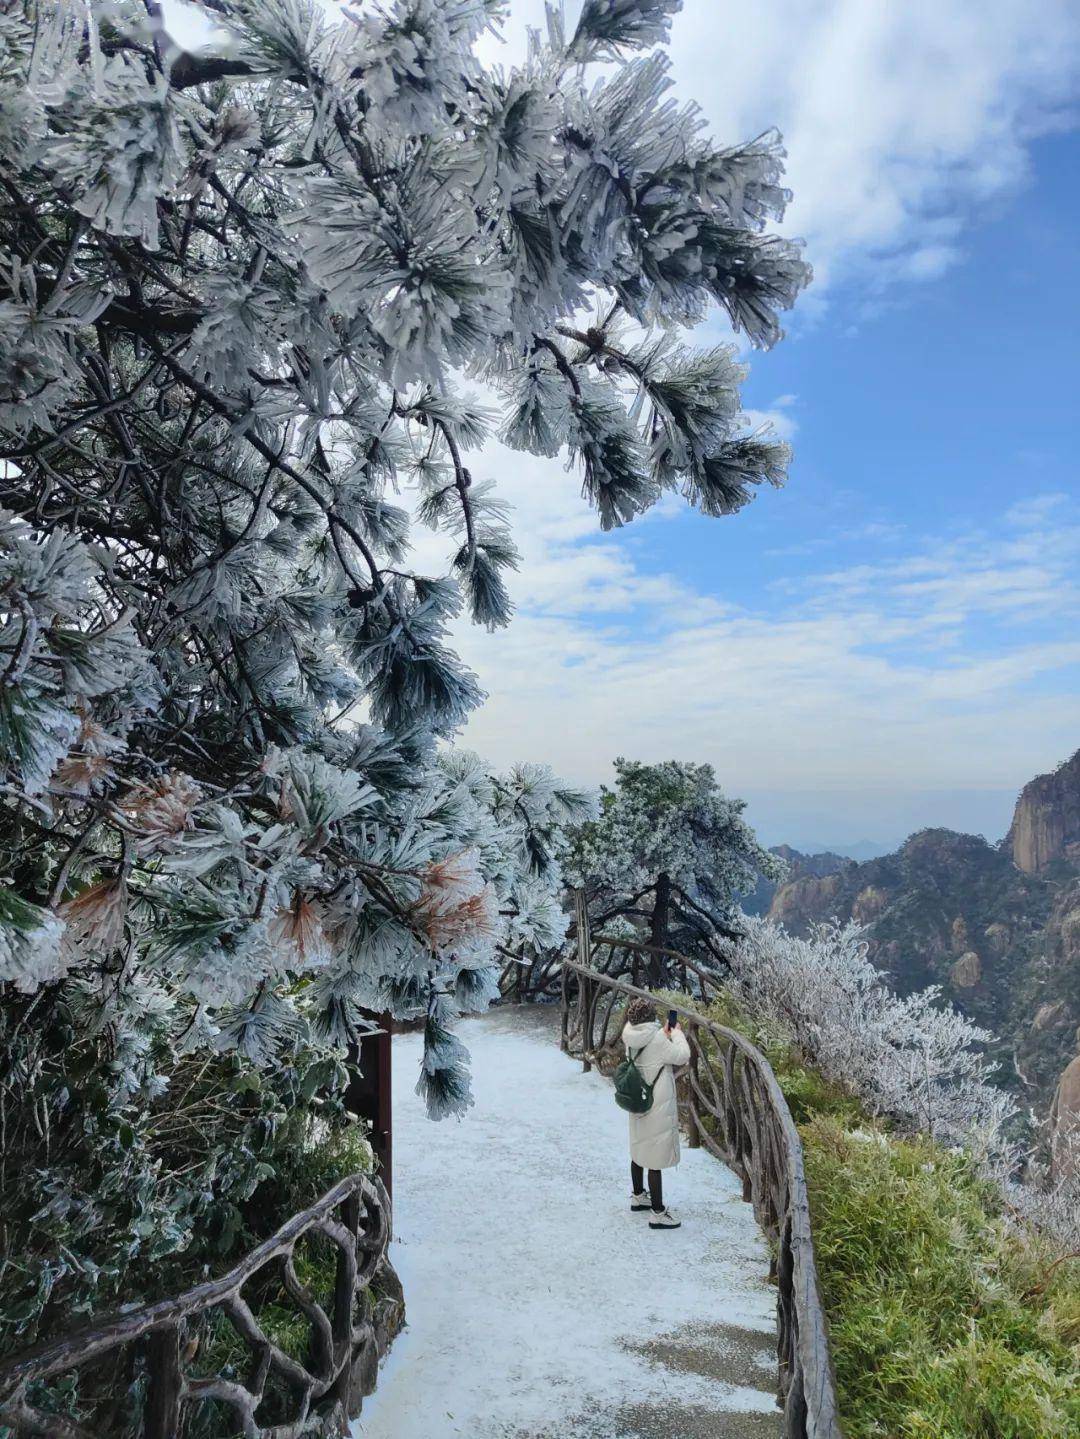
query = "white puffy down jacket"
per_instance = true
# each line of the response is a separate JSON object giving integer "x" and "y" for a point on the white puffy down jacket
{"x": 654, "y": 1136}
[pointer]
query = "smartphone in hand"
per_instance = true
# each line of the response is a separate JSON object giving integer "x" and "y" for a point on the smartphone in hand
{"x": 672, "y": 1019}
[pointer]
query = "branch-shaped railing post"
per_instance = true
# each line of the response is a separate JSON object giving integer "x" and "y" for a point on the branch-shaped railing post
{"x": 734, "y": 1107}
{"x": 355, "y": 1217}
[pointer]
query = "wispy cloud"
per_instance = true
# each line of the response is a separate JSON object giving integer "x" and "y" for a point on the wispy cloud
{"x": 780, "y": 418}
{"x": 944, "y": 662}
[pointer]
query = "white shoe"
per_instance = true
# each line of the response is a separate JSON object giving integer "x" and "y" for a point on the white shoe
{"x": 640, "y": 1202}
{"x": 665, "y": 1220}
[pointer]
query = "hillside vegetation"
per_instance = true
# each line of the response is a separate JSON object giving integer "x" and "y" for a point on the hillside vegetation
{"x": 950, "y": 1317}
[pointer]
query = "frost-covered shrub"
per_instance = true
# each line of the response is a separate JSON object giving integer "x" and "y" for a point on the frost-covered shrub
{"x": 1047, "y": 1195}
{"x": 110, "y": 1195}
{"x": 913, "y": 1059}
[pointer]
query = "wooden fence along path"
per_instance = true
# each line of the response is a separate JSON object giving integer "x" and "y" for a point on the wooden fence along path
{"x": 152, "y": 1349}
{"x": 146, "y": 1360}
{"x": 735, "y": 1108}
{"x": 540, "y": 977}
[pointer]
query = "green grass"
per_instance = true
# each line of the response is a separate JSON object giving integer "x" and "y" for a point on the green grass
{"x": 947, "y": 1321}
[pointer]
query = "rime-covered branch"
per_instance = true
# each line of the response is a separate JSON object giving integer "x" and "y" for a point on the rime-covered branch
{"x": 243, "y": 292}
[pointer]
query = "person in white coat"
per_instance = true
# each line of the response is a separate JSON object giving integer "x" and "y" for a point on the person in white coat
{"x": 654, "y": 1136}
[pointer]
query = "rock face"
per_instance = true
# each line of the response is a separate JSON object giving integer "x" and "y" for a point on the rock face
{"x": 967, "y": 971}
{"x": 1046, "y": 823}
{"x": 1065, "y": 1120}
{"x": 799, "y": 866}
{"x": 996, "y": 926}
{"x": 1047, "y": 1005}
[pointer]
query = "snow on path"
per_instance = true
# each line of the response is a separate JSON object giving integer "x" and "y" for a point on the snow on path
{"x": 537, "y": 1305}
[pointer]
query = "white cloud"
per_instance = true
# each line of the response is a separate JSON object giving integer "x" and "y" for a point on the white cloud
{"x": 778, "y": 417}
{"x": 898, "y": 117}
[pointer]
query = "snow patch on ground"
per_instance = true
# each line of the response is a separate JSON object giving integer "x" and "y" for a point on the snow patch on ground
{"x": 527, "y": 1279}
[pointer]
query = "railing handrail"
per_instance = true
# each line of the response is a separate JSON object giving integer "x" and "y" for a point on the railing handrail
{"x": 550, "y": 965}
{"x": 731, "y": 1036}
{"x": 360, "y": 1233}
{"x": 810, "y": 1403}
{"x": 52, "y": 1355}
{"x": 614, "y": 941}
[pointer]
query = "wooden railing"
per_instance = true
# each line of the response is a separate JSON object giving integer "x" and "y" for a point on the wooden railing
{"x": 632, "y": 961}
{"x": 733, "y": 1106}
{"x": 151, "y": 1350}
{"x": 531, "y": 977}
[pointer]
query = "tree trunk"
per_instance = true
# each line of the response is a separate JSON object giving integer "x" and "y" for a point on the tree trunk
{"x": 658, "y": 929}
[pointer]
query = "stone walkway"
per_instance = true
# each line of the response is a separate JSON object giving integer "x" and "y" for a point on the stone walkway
{"x": 538, "y": 1306}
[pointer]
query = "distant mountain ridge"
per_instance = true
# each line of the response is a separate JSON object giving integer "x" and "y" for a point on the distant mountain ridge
{"x": 862, "y": 849}
{"x": 996, "y": 926}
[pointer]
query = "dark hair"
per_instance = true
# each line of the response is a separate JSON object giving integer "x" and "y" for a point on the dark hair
{"x": 640, "y": 1011}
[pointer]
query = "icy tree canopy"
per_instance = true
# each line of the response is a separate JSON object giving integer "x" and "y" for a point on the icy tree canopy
{"x": 241, "y": 290}
{"x": 668, "y": 859}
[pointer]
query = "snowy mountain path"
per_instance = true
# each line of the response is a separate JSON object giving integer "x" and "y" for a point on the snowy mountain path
{"x": 538, "y": 1305}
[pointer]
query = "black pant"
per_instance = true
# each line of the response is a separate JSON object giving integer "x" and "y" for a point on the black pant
{"x": 656, "y": 1185}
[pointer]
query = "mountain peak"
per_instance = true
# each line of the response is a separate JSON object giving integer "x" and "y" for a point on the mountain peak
{"x": 1046, "y": 821}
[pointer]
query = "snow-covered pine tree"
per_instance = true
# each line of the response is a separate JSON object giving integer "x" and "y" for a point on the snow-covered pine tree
{"x": 668, "y": 859}
{"x": 240, "y": 289}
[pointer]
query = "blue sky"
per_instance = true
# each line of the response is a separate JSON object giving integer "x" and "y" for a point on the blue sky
{"x": 939, "y": 408}
{"x": 890, "y": 640}
{"x": 944, "y": 418}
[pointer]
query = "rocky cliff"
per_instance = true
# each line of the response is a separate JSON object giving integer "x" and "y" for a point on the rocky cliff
{"x": 996, "y": 926}
{"x": 799, "y": 866}
{"x": 1065, "y": 1121}
{"x": 1046, "y": 822}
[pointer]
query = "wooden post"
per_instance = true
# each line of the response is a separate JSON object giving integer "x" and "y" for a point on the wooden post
{"x": 584, "y": 954}
{"x": 162, "y": 1415}
{"x": 369, "y": 1093}
{"x": 588, "y": 1009}
{"x": 564, "y": 1010}
{"x": 584, "y": 939}
{"x": 384, "y": 1118}
{"x": 346, "y": 1274}
{"x": 693, "y": 1132}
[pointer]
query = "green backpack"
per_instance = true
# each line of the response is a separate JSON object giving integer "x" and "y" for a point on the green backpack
{"x": 631, "y": 1091}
